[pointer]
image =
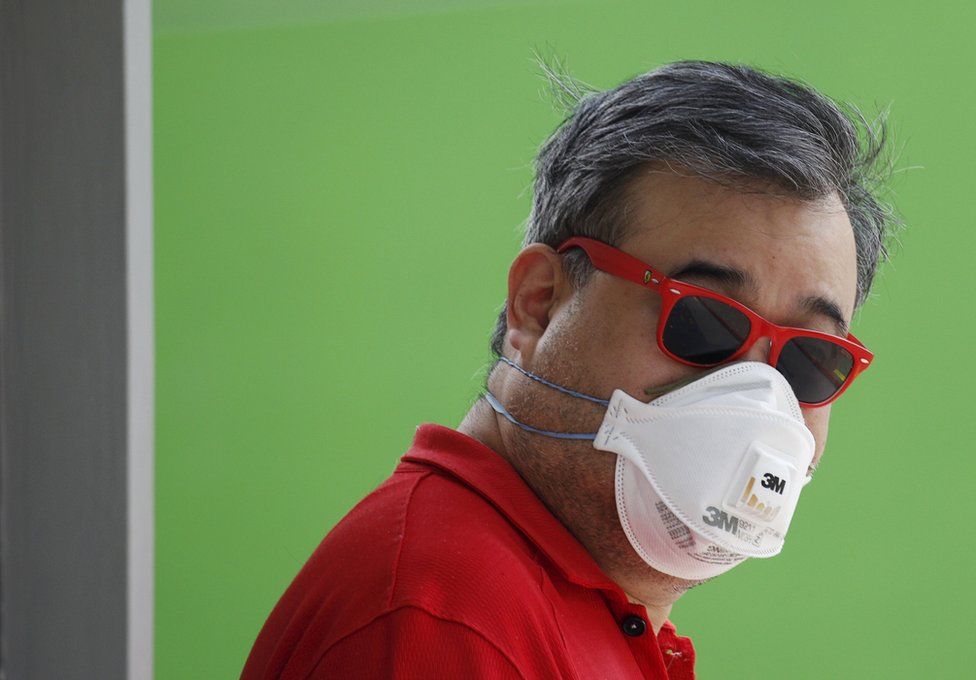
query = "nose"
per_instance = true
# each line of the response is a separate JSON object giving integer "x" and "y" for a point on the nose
{"x": 758, "y": 352}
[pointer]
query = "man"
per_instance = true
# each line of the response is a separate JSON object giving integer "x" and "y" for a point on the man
{"x": 675, "y": 332}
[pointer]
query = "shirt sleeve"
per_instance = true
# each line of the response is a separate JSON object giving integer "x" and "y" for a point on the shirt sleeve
{"x": 410, "y": 642}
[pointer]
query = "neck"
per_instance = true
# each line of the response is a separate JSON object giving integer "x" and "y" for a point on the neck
{"x": 482, "y": 424}
{"x": 658, "y": 608}
{"x": 588, "y": 513}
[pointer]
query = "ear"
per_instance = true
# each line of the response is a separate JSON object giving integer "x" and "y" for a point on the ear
{"x": 536, "y": 287}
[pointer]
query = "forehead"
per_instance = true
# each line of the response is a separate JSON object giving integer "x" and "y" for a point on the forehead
{"x": 789, "y": 248}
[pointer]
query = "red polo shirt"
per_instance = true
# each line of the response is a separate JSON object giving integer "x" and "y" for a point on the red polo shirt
{"x": 453, "y": 568}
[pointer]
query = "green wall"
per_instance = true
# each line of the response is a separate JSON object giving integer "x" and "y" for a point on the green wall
{"x": 339, "y": 192}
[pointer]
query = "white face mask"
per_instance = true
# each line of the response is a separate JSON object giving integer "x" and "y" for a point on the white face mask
{"x": 706, "y": 475}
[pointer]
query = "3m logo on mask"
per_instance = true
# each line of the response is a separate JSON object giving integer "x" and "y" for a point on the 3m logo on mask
{"x": 750, "y": 502}
{"x": 721, "y": 520}
{"x": 774, "y": 483}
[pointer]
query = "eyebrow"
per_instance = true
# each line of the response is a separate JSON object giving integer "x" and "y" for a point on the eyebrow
{"x": 738, "y": 279}
{"x": 817, "y": 304}
{"x": 730, "y": 276}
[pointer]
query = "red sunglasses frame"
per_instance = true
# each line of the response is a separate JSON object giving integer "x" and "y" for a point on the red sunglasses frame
{"x": 620, "y": 264}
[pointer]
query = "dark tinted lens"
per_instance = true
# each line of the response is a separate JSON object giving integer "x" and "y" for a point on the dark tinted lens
{"x": 814, "y": 368}
{"x": 704, "y": 331}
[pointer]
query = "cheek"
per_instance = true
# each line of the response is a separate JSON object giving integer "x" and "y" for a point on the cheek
{"x": 620, "y": 348}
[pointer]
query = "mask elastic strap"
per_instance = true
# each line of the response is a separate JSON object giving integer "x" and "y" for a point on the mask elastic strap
{"x": 495, "y": 404}
{"x": 564, "y": 390}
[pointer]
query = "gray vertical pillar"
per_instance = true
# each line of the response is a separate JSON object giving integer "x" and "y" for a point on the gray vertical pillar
{"x": 141, "y": 357}
{"x": 76, "y": 350}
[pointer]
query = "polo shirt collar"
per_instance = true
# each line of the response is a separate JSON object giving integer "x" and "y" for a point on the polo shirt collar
{"x": 485, "y": 471}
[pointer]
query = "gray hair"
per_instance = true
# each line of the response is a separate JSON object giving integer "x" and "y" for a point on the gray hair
{"x": 729, "y": 123}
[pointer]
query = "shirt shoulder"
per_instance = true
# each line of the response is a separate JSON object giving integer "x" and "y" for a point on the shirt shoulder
{"x": 459, "y": 554}
{"x": 420, "y": 542}
{"x": 413, "y": 643}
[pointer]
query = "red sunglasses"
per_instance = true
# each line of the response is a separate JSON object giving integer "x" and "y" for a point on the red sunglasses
{"x": 699, "y": 327}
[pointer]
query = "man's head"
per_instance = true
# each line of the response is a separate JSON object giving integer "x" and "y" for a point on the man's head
{"x": 753, "y": 186}
{"x": 729, "y": 123}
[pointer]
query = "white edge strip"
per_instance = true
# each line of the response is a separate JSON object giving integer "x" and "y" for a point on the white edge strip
{"x": 137, "y": 55}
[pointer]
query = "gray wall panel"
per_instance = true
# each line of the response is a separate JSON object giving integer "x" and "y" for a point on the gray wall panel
{"x": 65, "y": 438}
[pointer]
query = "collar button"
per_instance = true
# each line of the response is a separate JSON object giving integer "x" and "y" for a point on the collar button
{"x": 634, "y": 626}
